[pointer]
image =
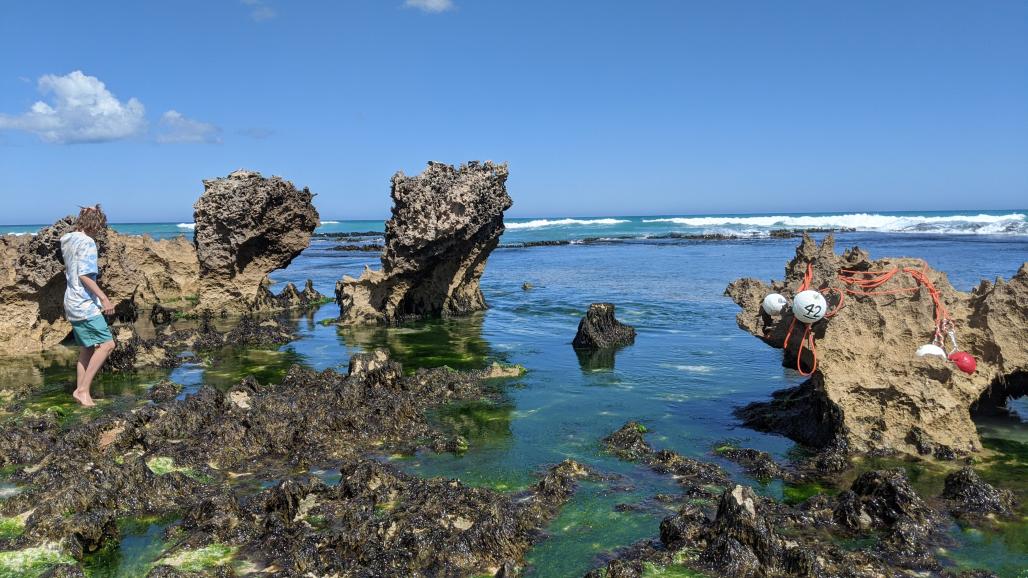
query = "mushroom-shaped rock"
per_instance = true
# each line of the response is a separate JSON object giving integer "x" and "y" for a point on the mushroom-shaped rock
{"x": 600, "y": 330}
{"x": 246, "y": 227}
{"x": 445, "y": 223}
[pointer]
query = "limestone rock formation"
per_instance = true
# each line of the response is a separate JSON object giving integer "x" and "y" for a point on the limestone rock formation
{"x": 600, "y": 330}
{"x": 246, "y": 227}
{"x": 870, "y": 392}
{"x": 445, "y": 223}
{"x": 136, "y": 272}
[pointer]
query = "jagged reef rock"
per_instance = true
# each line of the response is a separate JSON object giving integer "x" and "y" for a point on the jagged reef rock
{"x": 246, "y": 227}
{"x": 445, "y": 223}
{"x": 870, "y": 392}
{"x": 135, "y": 271}
{"x": 600, "y": 330}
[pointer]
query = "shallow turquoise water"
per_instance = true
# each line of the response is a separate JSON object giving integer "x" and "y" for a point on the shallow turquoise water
{"x": 689, "y": 368}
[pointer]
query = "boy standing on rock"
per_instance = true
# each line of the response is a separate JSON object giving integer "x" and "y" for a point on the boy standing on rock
{"x": 85, "y": 304}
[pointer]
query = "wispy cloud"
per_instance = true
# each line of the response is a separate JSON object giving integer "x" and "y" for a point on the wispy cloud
{"x": 260, "y": 10}
{"x": 175, "y": 128}
{"x": 430, "y": 5}
{"x": 81, "y": 109}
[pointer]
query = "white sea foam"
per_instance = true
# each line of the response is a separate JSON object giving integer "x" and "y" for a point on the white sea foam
{"x": 188, "y": 226}
{"x": 1011, "y": 223}
{"x": 695, "y": 368}
{"x": 323, "y": 223}
{"x": 540, "y": 223}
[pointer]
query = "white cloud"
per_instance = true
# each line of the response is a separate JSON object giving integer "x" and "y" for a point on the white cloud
{"x": 430, "y": 5}
{"x": 81, "y": 110}
{"x": 260, "y": 10}
{"x": 175, "y": 128}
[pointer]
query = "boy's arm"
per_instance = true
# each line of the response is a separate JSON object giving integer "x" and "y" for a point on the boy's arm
{"x": 93, "y": 288}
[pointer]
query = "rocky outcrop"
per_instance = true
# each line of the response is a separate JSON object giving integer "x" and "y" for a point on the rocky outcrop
{"x": 445, "y": 223}
{"x": 136, "y": 273}
{"x": 869, "y": 391}
{"x": 377, "y": 520}
{"x": 600, "y": 330}
{"x": 246, "y": 227}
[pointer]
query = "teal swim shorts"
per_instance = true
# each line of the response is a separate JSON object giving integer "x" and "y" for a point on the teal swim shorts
{"x": 92, "y": 331}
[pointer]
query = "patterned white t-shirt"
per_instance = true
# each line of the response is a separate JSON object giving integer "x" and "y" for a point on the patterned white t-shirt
{"x": 79, "y": 252}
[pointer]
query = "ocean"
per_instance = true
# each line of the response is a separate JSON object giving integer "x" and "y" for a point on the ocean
{"x": 689, "y": 368}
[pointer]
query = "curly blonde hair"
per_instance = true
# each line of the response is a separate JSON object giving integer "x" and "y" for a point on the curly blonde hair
{"x": 92, "y": 221}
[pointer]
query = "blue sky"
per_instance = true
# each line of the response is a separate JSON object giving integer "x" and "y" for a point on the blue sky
{"x": 601, "y": 107}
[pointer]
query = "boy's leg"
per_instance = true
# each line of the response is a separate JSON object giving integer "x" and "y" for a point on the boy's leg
{"x": 96, "y": 361}
{"x": 85, "y": 353}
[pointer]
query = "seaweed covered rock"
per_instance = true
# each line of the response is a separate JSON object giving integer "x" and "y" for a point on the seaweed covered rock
{"x": 377, "y": 521}
{"x": 136, "y": 273}
{"x": 246, "y": 227}
{"x": 445, "y": 223}
{"x": 600, "y": 330}
{"x": 698, "y": 479}
{"x": 970, "y": 495}
{"x": 742, "y": 541}
{"x": 870, "y": 392}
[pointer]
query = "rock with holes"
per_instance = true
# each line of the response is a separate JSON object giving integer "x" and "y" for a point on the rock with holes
{"x": 246, "y": 227}
{"x": 870, "y": 392}
{"x": 446, "y": 222}
{"x": 136, "y": 272}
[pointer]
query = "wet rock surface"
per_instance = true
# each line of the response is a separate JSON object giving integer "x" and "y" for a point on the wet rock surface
{"x": 134, "y": 352}
{"x": 246, "y": 227}
{"x": 185, "y": 456}
{"x": 971, "y": 496}
{"x": 698, "y": 479}
{"x": 445, "y": 223}
{"x": 870, "y": 391}
{"x": 136, "y": 273}
{"x": 749, "y": 535}
{"x": 599, "y": 329}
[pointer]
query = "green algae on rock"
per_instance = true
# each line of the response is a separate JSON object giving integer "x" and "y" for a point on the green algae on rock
{"x": 200, "y": 559}
{"x": 32, "y": 562}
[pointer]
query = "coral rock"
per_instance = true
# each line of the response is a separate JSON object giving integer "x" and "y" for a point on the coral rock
{"x": 445, "y": 223}
{"x": 246, "y": 227}
{"x": 870, "y": 392}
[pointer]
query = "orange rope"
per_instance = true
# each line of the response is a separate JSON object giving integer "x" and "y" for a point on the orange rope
{"x": 867, "y": 283}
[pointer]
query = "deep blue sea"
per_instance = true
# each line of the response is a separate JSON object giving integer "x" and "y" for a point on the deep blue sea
{"x": 689, "y": 368}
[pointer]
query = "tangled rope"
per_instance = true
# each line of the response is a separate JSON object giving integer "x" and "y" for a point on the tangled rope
{"x": 870, "y": 283}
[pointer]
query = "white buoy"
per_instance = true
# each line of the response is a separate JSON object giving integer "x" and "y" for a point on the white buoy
{"x": 809, "y": 306}
{"x": 774, "y": 303}
{"x": 930, "y": 349}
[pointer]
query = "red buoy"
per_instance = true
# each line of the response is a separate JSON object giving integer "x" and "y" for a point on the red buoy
{"x": 964, "y": 361}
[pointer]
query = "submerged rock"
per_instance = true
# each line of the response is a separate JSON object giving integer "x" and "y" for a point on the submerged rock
{"x": 246, "y": 227}
{"x": 600, "y": 330}
{"x": 135, "y": 272}
{"x": 445, "y": 223}
{"x": 870, "y": 392}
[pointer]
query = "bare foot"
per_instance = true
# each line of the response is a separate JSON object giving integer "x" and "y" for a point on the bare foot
{"x": 83, "y": 398}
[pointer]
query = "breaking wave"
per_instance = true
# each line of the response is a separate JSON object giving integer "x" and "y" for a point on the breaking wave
{"x": 323, "y": 223}
{"x": 187, "y": 226}
{"x": 541, "y": 223}
{"x": 981, "y": 224}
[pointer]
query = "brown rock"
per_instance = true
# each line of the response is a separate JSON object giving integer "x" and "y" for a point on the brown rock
{"x": 246, "y": 227}
{"x": 870, "y": 392}
{"x": 446, "y": 221}
{"x": 135, "y": 272}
